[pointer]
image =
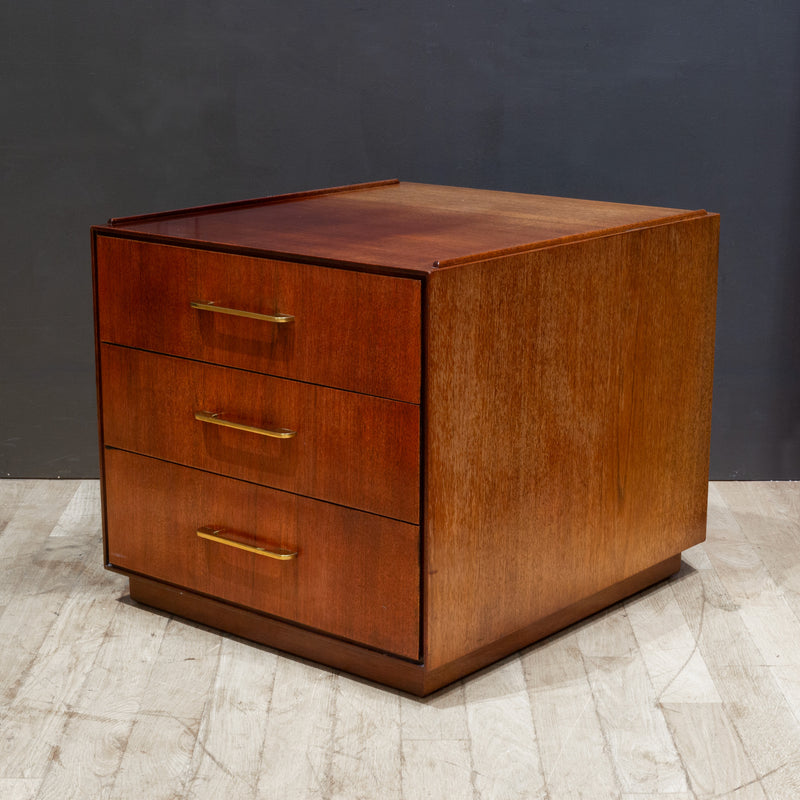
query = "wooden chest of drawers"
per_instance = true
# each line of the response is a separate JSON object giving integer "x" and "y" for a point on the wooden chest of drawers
{"x": 403, "y": 430}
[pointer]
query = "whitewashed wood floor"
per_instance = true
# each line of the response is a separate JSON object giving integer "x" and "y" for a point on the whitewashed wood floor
{"x": 691, "y": 689}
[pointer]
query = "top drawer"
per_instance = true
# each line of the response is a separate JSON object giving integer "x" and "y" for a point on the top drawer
{"x": 350, "y": 330}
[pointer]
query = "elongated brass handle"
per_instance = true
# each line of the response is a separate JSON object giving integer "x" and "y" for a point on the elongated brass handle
{"x": 216, "y": 418}
{"x": 212, "y": 534}
{"x": 237, "y": 312}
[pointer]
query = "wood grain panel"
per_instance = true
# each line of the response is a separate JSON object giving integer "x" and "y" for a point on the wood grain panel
{"x": 351, "y": 330}
{"x": 355, "y": 576}
{"x": 565, "y": 717}
{"x": 352, "y": 449}
{"x": 568, "y": 425}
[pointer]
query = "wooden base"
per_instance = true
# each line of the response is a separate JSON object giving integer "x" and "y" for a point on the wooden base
{"x": 389, "y": 670}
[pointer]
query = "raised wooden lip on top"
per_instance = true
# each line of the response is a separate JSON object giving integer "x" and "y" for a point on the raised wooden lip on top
{"x": 419, "y": 268}
{"x": 253, "y": 201}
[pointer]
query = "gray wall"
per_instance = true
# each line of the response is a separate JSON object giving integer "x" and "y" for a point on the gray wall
{"x": 114, "y": 108}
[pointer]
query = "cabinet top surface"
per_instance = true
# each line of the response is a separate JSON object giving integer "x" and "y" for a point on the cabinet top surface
{"x": 408, "y": 227}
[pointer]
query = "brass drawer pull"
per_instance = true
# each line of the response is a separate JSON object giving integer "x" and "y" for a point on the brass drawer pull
{"x": 216, "y": 418}
{"x": 207, "y": 532}
{"x": 236, "y": 312}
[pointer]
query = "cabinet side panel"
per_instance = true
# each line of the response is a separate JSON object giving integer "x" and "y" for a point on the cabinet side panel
{"x": 568, "y": 400}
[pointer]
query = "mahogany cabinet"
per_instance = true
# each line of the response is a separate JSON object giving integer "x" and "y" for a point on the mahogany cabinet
{"x": 403, "y": 430}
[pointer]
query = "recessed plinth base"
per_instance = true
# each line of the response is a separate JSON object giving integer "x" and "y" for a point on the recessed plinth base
{"x": 389, "y": 670}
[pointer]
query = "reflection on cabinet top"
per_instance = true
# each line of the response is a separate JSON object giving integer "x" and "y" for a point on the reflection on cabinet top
{"x": 403, "y": 228}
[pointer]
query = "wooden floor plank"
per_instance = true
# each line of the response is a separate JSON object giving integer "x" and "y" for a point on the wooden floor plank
{"x": 366, "y": 745}
{"x": 788, "y": 680}
{"x": 436, "y": 769}
{"x": 640, "y": 746}
{"x": 86, "y": 760}
{"x": 436, "y": 754}
{"x": 24, "y": 625}
{"x": 675, "y": 666}
{"x": 783, "y": 783}
{"x": 228, "y": 750}
{"x": 763, "y": 718}
{"x": 35, "y": 513}
{"x": 19, "y": 788}
{"x": 102, "y": 711}
{"x": 505, "y": 753}
{"x": 158, "y": 756}
{"x": 34, "y": 722}
{"x": 721, "y": 523}
{"x": 441, "y": 716}
{"x": 771, "y": 622}
{"x": 12, "y": 493}
{"x": 80, "y": 516}
{"x": 714, "y": 620}
{"x": 566, "y": 721}
{"x": 695, "y": 558}
{"x": 116, "y": 679}
{"x": 710, "y": 748}
{"x": 297, "y": 756}
{"x": 769, "y": 515}
{"x": 775, "y": 501}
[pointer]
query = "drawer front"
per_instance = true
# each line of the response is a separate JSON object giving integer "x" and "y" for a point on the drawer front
{"x": 347, "y": 448}
{"x": 350, "y": 330}
{"x": 355, "y": 575}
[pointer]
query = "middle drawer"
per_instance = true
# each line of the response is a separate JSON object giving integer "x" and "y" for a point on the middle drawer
{"x": 352, "y": 449}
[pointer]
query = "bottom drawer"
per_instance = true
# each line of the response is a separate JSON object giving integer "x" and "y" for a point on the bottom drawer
{"x": 355, "y": 575}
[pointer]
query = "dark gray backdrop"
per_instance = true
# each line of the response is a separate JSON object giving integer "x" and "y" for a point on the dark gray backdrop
{"x": 113, "y": 107}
